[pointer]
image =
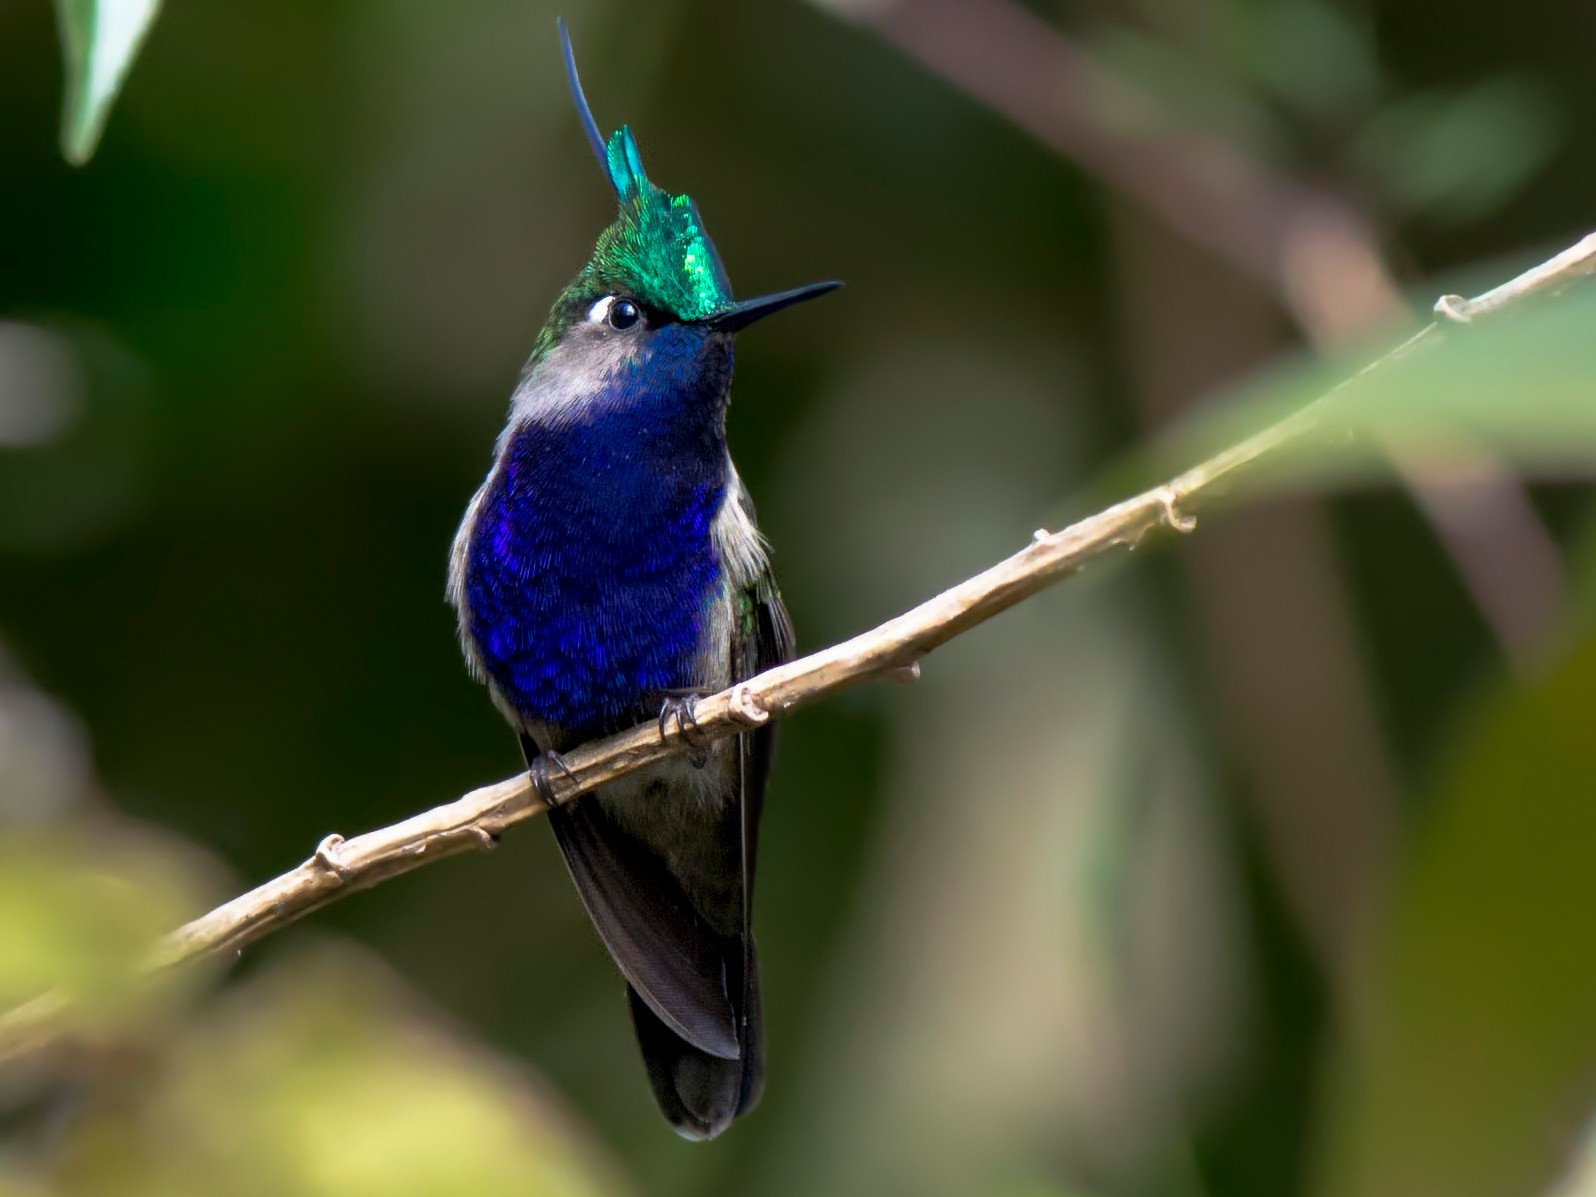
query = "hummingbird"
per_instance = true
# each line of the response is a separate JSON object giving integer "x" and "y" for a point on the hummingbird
{"x": 608, "y": 571}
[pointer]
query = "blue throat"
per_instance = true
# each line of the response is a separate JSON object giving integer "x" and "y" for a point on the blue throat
{"x": 592, "y": 570}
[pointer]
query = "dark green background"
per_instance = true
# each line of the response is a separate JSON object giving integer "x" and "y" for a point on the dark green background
{"x": 1024, "y": 927}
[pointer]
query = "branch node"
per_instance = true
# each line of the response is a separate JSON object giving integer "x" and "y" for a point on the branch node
{"x": 1170, "y": 512}
{"x": 327, "y": 855}
{"x": 902, "y": 674}
{"x": 745, "y": 708}
{"x": 1040, "y": 535}
{"x": 486, "y": 840}
{"x": 1456, "y": 308}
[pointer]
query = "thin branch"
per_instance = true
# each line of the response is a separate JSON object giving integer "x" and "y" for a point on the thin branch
{"x": 890, "y": 651}
{"x": 1555, "y": 274}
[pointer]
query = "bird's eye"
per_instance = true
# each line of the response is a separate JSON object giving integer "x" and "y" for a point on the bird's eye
{"x": 619, "y": 313}
{"x": 623, "y": 314}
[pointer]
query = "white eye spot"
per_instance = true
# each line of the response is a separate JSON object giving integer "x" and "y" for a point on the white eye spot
{"x": 600, "y": 311}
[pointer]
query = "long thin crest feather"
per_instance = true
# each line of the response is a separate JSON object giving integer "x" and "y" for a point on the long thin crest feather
{"x": 657, "y": 247}
{"x": 595, "y": 139}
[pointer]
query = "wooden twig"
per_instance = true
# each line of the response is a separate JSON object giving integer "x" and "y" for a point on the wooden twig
{"x": 889, "y": 652}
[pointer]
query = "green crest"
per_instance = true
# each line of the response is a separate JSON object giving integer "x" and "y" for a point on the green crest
{"x": 657, "y": 248}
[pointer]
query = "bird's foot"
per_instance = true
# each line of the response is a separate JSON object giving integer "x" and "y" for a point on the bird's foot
{"x": 537, "y": 771}
{"x": 683, "y": 709}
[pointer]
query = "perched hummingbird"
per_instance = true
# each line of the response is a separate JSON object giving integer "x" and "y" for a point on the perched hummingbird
{"x": 609, "y": 570}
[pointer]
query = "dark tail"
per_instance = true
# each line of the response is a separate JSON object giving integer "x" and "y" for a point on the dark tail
{"x": 693, "y": 991}
{"x": 698, "y": 1093}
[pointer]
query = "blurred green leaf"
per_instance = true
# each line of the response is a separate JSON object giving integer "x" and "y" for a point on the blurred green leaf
{"x": 1312, "y": 57}
{"x": 1456, "y": 156}
{"x": 1475, "y": 1061}
{"x": 1518, "y": 387}
{"x": 80, "y": 905}
{"x": 99, "y": 40}
{"x": 320, "y": 1079}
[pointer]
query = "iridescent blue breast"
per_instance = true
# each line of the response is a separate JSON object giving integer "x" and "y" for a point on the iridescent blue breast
{"x": 591, "y": 570}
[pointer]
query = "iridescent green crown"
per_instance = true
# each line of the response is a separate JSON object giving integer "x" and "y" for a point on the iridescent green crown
{"x": 657, "y": 248}
{"x": 658, "y": 245}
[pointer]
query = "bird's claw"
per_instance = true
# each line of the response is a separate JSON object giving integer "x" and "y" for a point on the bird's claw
{"x": 542, "y": 781}
{"x": 683, "y": 708}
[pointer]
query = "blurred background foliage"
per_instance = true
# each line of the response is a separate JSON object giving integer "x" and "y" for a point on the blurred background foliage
{"x": 1251, "y": 868}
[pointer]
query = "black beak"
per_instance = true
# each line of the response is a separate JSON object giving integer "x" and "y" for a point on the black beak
{"x": 740, "y": 315}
